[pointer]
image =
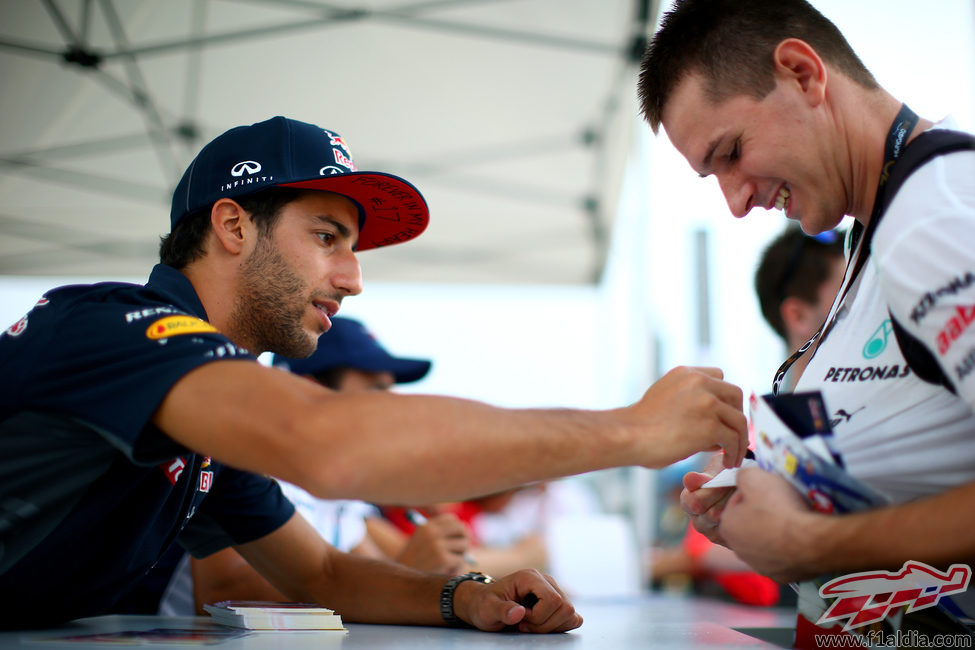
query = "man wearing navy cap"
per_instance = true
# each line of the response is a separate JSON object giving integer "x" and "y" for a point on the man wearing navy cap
{"x": 350, "y": 356}
{"x": 140, "y": 418}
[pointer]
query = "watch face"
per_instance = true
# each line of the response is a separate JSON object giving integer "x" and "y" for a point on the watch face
{"x": 480, "y": 577}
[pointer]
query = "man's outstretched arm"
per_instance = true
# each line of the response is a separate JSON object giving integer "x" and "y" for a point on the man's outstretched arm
{"x": 384, "y": 447}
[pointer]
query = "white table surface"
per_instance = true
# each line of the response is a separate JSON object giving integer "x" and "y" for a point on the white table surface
{"x": 652, "y": 621}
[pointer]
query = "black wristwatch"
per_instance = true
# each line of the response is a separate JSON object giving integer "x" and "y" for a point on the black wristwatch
{"x": 447, "y": 595}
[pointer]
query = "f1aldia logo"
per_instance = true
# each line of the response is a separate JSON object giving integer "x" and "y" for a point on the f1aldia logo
{"x": 245, "y": 167}
{"x": 868, "y": 597}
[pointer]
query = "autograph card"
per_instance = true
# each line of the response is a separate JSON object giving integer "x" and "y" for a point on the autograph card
{"x": 824, "y": 484}
{"x": 806, "y": 416}
{"x": 728, "y": 476}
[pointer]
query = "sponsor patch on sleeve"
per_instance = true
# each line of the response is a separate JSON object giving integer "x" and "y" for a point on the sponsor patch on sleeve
{"x": 176, "y": 325}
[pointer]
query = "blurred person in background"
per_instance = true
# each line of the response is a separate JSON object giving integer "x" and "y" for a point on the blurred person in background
{"x": 796, "y": 281}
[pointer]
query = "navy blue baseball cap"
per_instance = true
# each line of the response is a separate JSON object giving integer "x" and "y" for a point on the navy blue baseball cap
{"x": 289, "y": 153}
{"x": 348, "y": 344}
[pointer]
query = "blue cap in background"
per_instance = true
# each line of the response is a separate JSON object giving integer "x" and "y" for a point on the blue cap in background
{"x": 348, "y": 344}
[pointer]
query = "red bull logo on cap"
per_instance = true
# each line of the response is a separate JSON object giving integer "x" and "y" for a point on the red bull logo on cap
{"x": 341, "y": 151}
{"x": 342, "y": 160}
{"x": 338, "y": 141}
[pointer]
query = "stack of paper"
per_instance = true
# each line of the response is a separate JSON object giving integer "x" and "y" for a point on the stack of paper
{"x": 803, "y": 453}
{"x": 266, "y": 615}
{"x": 794, "y": 440}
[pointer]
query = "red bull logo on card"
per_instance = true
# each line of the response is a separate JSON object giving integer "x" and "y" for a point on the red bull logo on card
{"x": 868, "y": 597}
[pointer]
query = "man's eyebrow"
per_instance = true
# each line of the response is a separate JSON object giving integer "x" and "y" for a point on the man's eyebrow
{"x": 706, "y": 164}
{"x": 344, "y": 230}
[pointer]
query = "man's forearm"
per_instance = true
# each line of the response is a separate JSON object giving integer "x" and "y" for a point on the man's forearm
{"x": 419, "y": 449}
{"x": 364, "y": 590}
{"x": 301, "y": 565}
{"x": 935, "y": 530}
{"x": 389, "y": 448}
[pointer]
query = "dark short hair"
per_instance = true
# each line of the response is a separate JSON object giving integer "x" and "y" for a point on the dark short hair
{"x": 185, "y": 244}
{"x": 793, "y": 265}
{"x": 731, "y": 43}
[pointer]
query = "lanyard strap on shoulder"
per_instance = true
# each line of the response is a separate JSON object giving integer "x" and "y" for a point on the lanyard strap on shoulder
{"x": 925, "y": 146}
{"x": 897, "y": 136}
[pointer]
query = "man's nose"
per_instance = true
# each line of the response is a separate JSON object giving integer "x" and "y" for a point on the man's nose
{"x": 347, "y": 277}
{"x": 738, "y": 192}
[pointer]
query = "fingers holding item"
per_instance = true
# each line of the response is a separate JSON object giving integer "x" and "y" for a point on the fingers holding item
{"x": 728, "y": 393}
{"x": 451, "y": 541}
{"x": 714, "y": 465}
{"x": 528, "y": 600}
{"x": 562, "y": 619}
{"x": 731, "y": 414}
{"x": 714, "y": 429}
{"x": 704, "y": 506}
{"x": 459, "y": 544}
{"x": 710, "y": 380}
{"x": 694, "y": 480}
{"x": 446, "y": 531}
{"x": 707, "y": 520}
{"x": 725, "y": 425}
{"x": 737, "y": 424}
{"x": 697, "y": 500}
{"x": 734, "y": 506}
{"x": 756, "y": 483}
{"x": 549, "y": 611}
{"x": 439, "y": 546}
{"x": 764, "y": 523}
{"x": 697, "y": 410}
{"x": 445, "y": 525}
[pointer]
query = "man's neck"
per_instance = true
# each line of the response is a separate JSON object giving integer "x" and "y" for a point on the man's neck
{"x": 866, "y": 137}
{"x": 215, "y": 291}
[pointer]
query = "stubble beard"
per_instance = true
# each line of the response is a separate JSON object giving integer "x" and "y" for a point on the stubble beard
{"x": 271, "y": 303}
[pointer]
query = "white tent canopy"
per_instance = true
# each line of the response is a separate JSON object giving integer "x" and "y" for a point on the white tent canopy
{"x": 511, "y": 117}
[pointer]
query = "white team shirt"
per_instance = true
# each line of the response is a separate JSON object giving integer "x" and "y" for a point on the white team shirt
{"x": 905, "y": 437}
{"x": 341, "y": 523}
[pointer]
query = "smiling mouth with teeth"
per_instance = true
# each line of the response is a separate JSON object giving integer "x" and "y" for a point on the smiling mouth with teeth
{"x": 782, "y": 198}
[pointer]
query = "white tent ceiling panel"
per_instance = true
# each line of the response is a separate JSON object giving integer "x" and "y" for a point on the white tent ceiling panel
{"x": 506, "y": 114}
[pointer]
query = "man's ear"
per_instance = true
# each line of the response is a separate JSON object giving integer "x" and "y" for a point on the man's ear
{"x": 795, "y": 60}
{"x": 797, "y": 316}
{"x": 230, "y": 224}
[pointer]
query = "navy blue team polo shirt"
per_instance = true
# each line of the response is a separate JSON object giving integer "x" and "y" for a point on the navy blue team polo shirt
{"x": 91, "y": 492}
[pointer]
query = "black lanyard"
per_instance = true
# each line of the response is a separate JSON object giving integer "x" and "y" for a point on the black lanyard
{"x": 903, "y": 124}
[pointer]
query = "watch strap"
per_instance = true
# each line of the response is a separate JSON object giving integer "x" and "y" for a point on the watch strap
{"x": 447, "y": 595}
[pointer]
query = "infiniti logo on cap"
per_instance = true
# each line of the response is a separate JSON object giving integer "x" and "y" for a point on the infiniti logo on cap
{"x": 245, "y": 166}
